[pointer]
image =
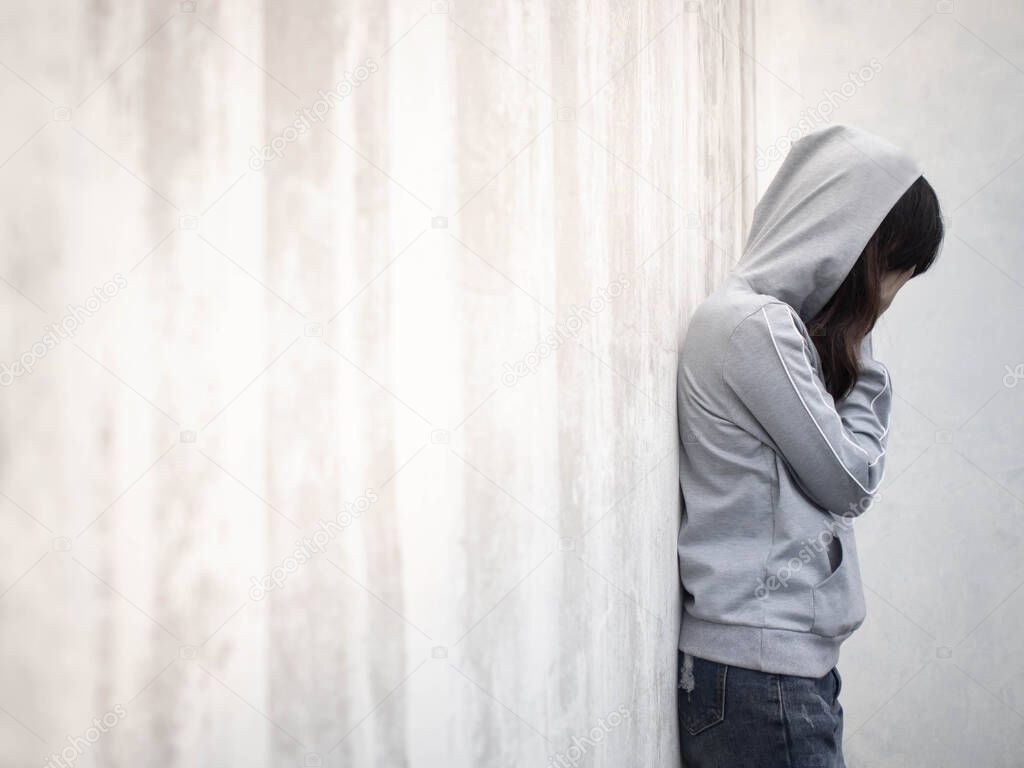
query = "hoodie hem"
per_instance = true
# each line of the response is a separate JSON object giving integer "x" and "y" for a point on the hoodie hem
{"x": 777, "y": 651}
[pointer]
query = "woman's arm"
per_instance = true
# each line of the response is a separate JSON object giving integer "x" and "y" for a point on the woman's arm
{"x": 836, "y": 451}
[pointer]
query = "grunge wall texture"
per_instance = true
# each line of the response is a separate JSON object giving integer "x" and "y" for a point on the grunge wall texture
{"x": 365, "y": 451}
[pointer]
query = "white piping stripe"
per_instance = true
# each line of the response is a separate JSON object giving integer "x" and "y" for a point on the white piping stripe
{"x": 881, "y": 438}
{"x": 804, "y": 404}
{"x": 817, "y": 388}
{"x": 885, "y": 386}
{"x": 824, "y": 402}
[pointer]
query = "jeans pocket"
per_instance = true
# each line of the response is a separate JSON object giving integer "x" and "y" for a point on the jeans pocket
{"x": 704, "y": 705}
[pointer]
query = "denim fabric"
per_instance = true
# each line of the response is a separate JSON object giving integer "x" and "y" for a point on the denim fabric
{"x": 731, "y": 717}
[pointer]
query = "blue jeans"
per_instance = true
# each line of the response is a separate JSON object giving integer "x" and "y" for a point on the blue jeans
{"x": 730, "y": 717}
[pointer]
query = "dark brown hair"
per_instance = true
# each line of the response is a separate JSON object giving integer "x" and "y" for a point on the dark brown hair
{"x": 908, "y": 237}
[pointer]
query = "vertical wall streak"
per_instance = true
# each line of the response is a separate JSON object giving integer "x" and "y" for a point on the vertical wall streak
{"x": 380, "y": 438}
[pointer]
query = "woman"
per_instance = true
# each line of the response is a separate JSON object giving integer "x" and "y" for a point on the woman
{"x": 784, "y": 417}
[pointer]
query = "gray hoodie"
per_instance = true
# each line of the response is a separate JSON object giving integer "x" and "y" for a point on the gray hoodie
{"x": 773, "y": 470}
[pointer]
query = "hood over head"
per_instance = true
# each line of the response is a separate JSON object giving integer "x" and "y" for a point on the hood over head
{"x": 832, "y": 191}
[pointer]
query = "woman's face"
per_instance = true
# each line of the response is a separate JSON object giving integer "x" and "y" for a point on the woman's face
{"x": 891, "y": 283}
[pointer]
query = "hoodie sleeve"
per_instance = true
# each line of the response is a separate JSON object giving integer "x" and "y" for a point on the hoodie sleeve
{"x": 835, "y": 450}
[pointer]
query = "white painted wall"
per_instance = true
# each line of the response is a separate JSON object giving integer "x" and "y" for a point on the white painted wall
{"x": 326, "y": 338}
{"x": 329, "y": 333}
{"x": 935, "y": 676}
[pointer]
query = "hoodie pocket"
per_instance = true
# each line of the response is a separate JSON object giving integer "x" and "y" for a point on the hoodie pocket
{"x": 838, "y": 601}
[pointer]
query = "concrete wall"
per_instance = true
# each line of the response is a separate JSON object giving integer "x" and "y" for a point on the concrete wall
{"x": 434, "y": 333}
{"x": 935, "y": 676}
{"x": 381, "y": 338}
